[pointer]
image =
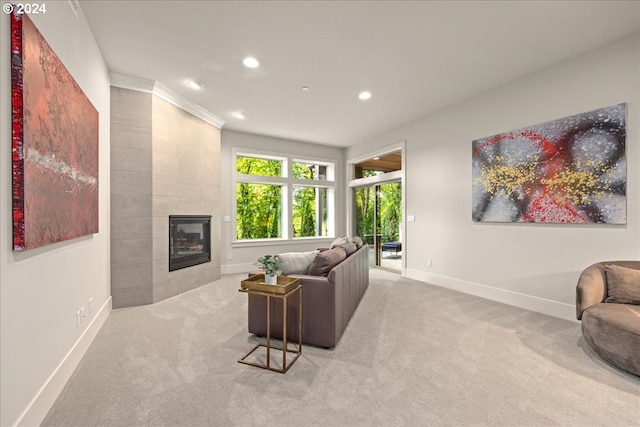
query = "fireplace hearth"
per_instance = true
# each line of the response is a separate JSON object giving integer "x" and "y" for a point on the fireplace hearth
{"x": 189, "y": 240}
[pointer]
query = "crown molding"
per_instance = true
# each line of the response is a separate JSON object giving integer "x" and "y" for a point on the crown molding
{"x": 75, "y": 7}
{"x": 132, "y": 83}
{"x": 170, "y": 96}
{"x": 163, "y": 92}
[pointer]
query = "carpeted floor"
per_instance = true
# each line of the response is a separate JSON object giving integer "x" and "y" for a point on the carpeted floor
{"x": 413, "y": 354}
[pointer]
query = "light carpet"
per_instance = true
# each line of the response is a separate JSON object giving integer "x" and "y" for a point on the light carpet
{"x": 413, "y": 354}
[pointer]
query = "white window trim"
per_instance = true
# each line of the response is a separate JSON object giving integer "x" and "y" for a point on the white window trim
{"x": 287, "y": 183}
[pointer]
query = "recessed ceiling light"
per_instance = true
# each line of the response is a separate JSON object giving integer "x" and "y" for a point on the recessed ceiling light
{"x": 364, "y": 95}
{"x": 305, "y": 88}
{"x": 195, "y": 85}
{"x": 239, "y": 115}
{"x": 251, "y": 62}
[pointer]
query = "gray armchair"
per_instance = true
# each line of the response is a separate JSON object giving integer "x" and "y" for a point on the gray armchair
{"x": 607, "y": 299}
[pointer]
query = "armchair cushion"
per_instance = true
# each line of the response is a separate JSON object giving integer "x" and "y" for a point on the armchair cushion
{"x": 623, "y": 285}
{"x": 613, "y": 331}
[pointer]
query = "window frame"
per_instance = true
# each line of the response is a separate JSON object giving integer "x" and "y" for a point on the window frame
{"x": 287, "y": 182}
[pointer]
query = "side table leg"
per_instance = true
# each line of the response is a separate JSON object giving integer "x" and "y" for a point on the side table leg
{"x": 300, "y": 321}
{"x": 284, "y": 334}
{"x": 268, "y": 331}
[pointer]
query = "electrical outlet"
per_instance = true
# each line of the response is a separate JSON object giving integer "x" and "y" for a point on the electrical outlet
{"x": 78, "y": 318}
{"x": 229, "y": 255}
{"x": 90, "y": 305}
{"x": 429, "y": 263}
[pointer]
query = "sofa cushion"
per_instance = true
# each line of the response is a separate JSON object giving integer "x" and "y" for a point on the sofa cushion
{"x": 325, "y": 261}
{"x": 357, "y": 241}
{"x": 623, "y": 285}
{"x": 296, "y": 262}
{"x": 349, "y": 248}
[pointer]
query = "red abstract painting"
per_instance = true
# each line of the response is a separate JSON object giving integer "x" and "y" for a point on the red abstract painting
{"x": 572, "y": 170}
{"x": 54, "y": 145}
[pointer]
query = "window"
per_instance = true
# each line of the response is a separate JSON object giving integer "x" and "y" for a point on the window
{"x": 310, "y": 212}
{"x": 258, "y": 211}
{"x": 308, "y": 170}
{"x": 257, "y": 166}
{"x": 278, "y": 197}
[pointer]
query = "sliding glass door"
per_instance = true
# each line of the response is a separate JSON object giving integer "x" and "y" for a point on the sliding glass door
{"x": 365, "y": 219}
{"x": 379, "y": 222}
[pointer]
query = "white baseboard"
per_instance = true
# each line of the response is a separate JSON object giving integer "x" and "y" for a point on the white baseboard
{"x": 38, "y": 408}
{"x": 528, "y": 302}
{"x": 238, "y": 268}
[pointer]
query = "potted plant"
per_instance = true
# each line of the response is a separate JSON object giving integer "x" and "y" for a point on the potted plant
{"x": 271, "y": 266}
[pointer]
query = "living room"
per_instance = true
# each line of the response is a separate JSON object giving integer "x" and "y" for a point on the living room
{"x": 530, "y": 266}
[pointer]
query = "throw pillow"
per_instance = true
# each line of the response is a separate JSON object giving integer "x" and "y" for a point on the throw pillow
{"x": 339, "y": 241}
{"x": 325, "y": 261}
{"x": 296, "y": 262}
{"x": 357, "y": 240}
{"x": 623, "y": 285}
{"x": 349, "y": 248}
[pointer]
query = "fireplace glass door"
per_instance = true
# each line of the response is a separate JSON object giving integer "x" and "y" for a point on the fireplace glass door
{"x": 189, "y": 240}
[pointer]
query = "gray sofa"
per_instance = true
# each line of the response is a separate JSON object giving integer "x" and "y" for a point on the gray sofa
{"x": 329, "y": 300}
{"x": 607, "y": 298}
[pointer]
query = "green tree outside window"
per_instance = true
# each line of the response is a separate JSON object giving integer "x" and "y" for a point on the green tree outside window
{"x": 259, "y": 205}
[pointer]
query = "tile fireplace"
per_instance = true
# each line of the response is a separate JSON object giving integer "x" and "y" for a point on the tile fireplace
{"x": 189, "y": 240}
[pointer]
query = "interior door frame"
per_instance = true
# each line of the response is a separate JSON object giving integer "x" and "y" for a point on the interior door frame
{"x": 397, "y": 176}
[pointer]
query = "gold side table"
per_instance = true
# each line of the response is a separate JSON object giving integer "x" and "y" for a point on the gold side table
{"x": 285, "y": 287}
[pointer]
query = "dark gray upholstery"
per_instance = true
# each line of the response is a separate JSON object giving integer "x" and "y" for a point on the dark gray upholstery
{"x": 328, "y": 304}
{"x": 612, "y": 330}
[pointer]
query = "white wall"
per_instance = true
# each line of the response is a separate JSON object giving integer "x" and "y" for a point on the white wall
{"x": 530, "y": 265}
{"x": 245, "y": 254}
{"x": 42, "y": 289}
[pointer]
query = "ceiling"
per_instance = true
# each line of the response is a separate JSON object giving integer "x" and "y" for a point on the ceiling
{"x": 415, "y": 57}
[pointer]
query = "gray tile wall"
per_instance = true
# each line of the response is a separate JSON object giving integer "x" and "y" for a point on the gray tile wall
{"x": 177, "y": 173}
{"x": 131, "y": 187}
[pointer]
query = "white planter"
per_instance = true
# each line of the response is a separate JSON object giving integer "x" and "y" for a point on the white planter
{"x": 270, "y": 280}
